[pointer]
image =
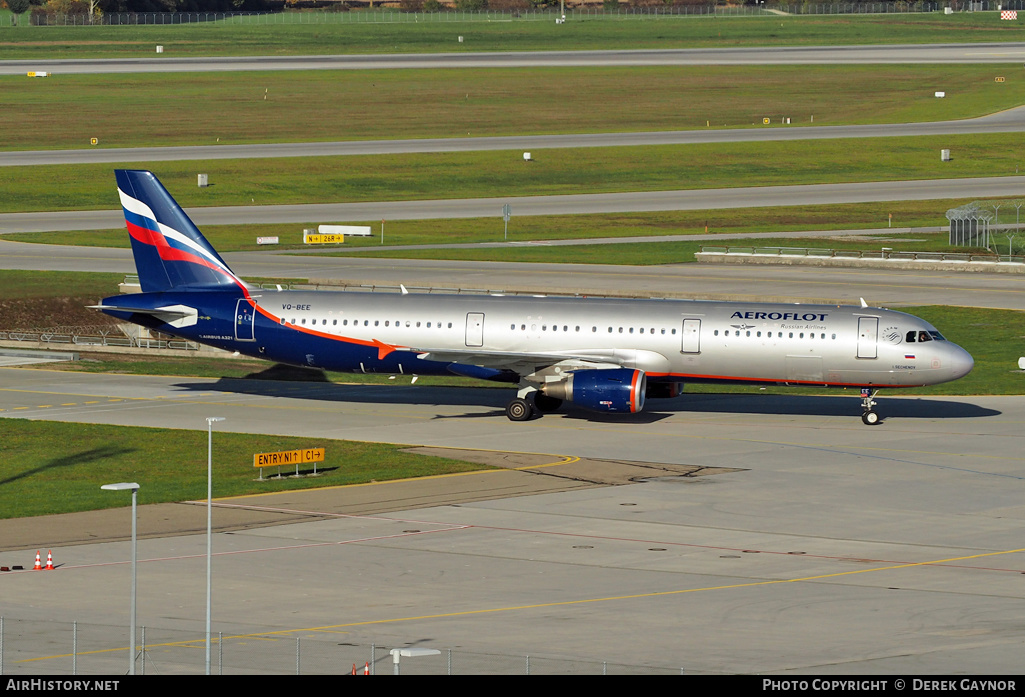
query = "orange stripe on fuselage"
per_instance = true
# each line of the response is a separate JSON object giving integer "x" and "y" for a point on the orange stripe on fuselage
{"x": 383, "y": 349}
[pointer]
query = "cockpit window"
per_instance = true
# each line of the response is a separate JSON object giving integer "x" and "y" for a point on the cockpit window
{"x": 921, "y": 335}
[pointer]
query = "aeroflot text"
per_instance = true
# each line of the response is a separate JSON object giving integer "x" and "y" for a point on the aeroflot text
{"x": 964, "y": 685}
{"x": 797, "y": 316}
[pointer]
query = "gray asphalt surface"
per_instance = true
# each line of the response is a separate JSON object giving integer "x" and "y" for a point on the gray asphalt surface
{"x": 832, "y": 549}
{"x": 691, "y": 199}
{"x": 1010, "y": 121}
{"x": 1007, "y": 52}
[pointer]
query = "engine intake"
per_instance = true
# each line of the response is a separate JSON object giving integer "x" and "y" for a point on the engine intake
{"x": 611, "y": 390}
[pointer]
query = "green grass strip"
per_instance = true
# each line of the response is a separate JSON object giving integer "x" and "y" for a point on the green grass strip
{"x": 52, "y": 467}
{"x": 505, "y": 174}
{"x": 219, "y": 108}
{"x": 394, "y": 32}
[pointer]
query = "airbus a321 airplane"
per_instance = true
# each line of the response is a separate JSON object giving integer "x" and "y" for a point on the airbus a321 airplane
{"x": 603, "y": 354}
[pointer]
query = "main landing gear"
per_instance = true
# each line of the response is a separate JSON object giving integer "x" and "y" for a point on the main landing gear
{"x": 519, "y": 409}
{"x": 868, "y": 416}
{"x": 530, "y": 403}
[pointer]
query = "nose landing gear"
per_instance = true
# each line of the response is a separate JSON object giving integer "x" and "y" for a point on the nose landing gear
{"x": 868, "y": 416}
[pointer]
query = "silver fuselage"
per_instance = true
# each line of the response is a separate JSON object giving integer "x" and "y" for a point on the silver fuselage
{"x": 667, "y": 339}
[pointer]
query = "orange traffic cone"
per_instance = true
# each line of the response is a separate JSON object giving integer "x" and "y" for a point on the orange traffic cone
{"x": 366, "y": 669}
{"x": 49, "y": 560}
{"x": 353, "y": 668}
{"x": 39, "y": 563}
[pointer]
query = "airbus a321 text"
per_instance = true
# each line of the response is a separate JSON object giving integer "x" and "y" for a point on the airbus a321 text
{"x": 603, "y": 354}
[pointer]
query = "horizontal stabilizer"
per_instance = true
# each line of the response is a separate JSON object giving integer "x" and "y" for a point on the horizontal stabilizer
{"x": 174, "y": 315}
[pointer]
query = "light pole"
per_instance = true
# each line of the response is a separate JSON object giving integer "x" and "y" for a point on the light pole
{"x": 209, "y": 523}
{"x": 124, "y": 486}
{"x": 409, "y": 653}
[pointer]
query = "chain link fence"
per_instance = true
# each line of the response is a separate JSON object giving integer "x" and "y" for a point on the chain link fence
{"x": 30, "y": 648}
{"x": 611, "y": 11}
{"x": 98, "y": 335}
{"x": 979, "y": 224}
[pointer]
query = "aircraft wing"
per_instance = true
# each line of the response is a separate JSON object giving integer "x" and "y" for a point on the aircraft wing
{"x": 523, "y": 363}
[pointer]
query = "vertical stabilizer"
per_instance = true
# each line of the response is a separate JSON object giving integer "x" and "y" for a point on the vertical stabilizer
{"x": 170, "y": 251}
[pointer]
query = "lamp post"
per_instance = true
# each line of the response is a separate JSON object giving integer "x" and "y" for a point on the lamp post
{"x": 124, "y": 486}
{"x": 209, "y": 523}
{"x": 409, "y": 653}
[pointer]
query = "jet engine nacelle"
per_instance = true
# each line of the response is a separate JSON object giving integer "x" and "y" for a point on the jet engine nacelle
{"x": 612, "y": 390}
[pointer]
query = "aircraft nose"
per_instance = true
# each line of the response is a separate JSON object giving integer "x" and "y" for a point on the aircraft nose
{"x": 961, "y": 362}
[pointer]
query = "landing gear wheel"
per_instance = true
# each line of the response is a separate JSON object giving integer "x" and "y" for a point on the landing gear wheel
{"x": 546, "y": 404}
{"x": 519, "y": 409}
{"x": 870, "y": 418}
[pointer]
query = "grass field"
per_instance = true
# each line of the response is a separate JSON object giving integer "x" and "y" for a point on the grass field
{"x": 16, "y": 285}
{"x": 358, "y": 32}
{"x": 505, "y": 174}
{"x": 66, "y": 111}
{"x": 50, "y": 467}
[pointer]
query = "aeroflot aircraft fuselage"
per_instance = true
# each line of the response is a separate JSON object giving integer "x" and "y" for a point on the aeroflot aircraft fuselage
{"x": 600, "y": 353}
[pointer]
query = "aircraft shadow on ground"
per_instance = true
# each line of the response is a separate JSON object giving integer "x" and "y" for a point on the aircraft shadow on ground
{"x": 815, "y": 405}
{"x": 848, "y": 405}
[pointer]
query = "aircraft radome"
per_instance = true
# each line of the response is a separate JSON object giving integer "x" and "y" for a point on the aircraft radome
{"x": 604, "y": 354}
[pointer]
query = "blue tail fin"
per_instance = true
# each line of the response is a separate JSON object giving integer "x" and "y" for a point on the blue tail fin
{"x": 170, "y": 252}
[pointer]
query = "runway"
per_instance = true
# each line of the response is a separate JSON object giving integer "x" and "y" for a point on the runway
{"x": 1005, "y": 52}
{"x": 579, "y": 204}
{"x": 828, "y": 548}
{"x": 1009, "y": 121}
